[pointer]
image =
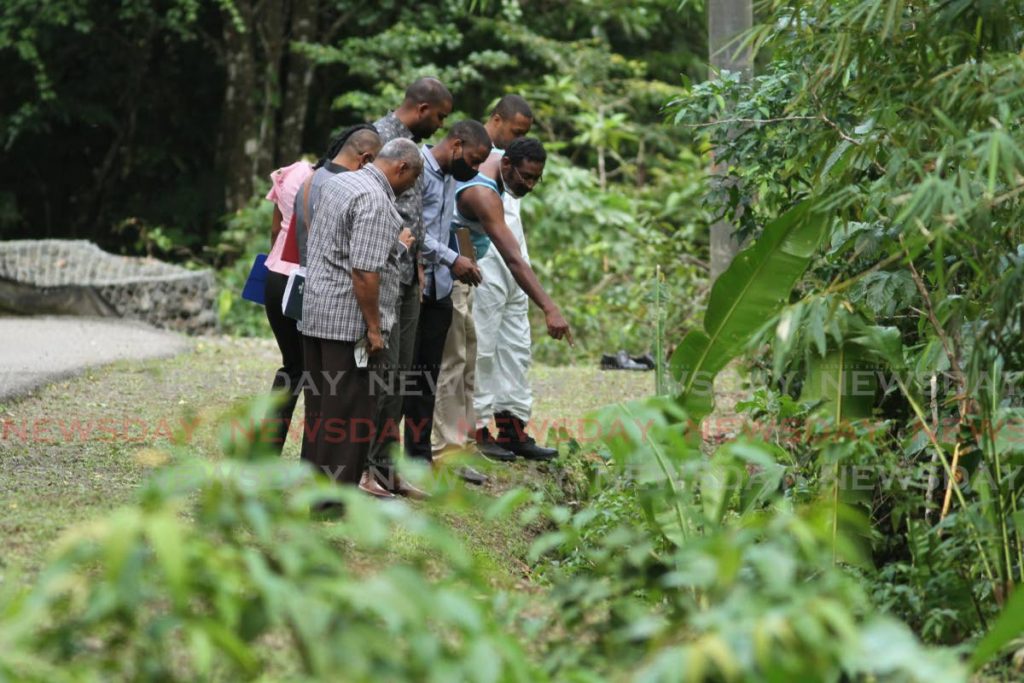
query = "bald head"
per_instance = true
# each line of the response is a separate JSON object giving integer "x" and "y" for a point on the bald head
{"x": 426, "y": 105}
{"x": 400, "y": 161}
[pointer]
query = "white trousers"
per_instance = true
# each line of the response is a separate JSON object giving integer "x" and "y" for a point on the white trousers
{"x": 501, "y": 317}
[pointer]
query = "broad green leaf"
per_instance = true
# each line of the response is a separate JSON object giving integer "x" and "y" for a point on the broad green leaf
{"x": 844, "y": 382}
{"x": 1008, "y": 626}
{"x": 752, "y": 290}
{"x": 717, "y": 485}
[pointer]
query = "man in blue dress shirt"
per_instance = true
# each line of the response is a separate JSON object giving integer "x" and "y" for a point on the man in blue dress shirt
{"x": 457, "y": 158}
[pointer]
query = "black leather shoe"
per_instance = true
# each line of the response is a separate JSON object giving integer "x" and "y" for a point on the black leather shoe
{"x": 512, "y": 434}
{"x": 529, "y": 450}
{"x": 646, "y": 360}
{"x": 622, "y": 361}
{"x": 491, "y": 449}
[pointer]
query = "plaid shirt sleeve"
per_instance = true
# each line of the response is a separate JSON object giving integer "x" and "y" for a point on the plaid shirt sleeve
{"x": 373, "y": 236}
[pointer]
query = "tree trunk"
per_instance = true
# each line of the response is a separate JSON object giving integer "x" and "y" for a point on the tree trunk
{"x": 272, "y": 31}
{"x": 298, "y": 79}
{"x": 727, "y": 19}
{"x": 239, "y": 127}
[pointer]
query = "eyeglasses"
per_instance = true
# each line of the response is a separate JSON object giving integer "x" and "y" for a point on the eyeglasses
{"x": 529, "y": 182}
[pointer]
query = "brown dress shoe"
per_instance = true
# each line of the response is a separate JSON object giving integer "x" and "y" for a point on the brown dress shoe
{"x": 368, "y": 484}
{"x": 403, "y": 487}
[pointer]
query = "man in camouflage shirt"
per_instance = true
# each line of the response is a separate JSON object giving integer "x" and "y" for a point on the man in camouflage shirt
{"x": 426, "y": 105}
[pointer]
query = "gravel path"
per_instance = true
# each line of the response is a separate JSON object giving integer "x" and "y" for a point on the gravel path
{"x": 35, "y": 351}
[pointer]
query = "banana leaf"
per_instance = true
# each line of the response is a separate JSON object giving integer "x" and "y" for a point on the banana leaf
{"x": 752, "y": 290}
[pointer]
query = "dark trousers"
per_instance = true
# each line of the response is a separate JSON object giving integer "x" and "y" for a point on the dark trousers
{"x": 421, "y": 391}
{"x": 397, "y": 360}
{"x": 287, "y": 381}
{"x": 339, "y": 410}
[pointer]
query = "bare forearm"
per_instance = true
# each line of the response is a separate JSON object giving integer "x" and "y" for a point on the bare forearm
{"x": 486, "y": 205}
{"x": 367, "y": 290}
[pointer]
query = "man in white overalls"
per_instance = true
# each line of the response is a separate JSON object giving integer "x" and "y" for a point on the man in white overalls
{"x": 499, "y": 308}
{"x": 501, "y": 316}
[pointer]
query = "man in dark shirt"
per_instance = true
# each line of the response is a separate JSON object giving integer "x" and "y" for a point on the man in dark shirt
{"x": 426, "y": 104}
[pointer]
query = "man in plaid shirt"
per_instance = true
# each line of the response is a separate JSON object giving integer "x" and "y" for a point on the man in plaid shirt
{"x": 352, "y": 285}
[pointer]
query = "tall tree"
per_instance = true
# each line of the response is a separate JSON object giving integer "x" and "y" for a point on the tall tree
{"x": 728, "y": 20}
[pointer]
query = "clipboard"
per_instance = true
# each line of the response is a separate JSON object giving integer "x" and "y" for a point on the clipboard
{"x": 464, "y": 241}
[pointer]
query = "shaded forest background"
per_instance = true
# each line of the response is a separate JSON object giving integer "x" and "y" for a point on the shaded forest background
{"x": 150, "y": 126}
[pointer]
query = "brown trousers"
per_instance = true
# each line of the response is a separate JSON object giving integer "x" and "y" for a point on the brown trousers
{"x": 339, "y": 410}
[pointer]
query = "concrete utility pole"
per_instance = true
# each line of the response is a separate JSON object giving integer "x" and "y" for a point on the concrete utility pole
{"x": 727, "y": 19}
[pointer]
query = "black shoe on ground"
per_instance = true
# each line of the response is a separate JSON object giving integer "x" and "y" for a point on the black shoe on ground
{"x": 491, "y": 449}
{"x": 512, "y": 435}
{"x": 622, "y": 361}
{"x": 646, "y": 360}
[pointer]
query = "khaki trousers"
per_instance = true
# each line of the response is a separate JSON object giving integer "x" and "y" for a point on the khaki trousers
{"x": 453, "y": 409}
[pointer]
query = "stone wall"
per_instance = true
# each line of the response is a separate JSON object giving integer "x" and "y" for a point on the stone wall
{"x": 75, "y": 277}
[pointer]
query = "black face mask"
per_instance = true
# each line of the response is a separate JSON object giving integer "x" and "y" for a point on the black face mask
{"x": 460, "y": 169}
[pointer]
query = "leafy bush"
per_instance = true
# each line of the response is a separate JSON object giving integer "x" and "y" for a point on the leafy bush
{"x": 892, "y": 123}
{"x": 678, "y": 565}
{"x": 598, "y": 252}
{"x": 218, "y": 572}
{"x": 247, "y": 233}
{"x": 694, "y": 568}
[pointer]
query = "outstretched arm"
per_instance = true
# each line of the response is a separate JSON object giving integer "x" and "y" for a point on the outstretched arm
{"x": 486, "y": 206}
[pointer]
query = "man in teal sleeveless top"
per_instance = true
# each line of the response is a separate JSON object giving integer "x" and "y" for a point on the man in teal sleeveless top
{"x": 501, "y": 307}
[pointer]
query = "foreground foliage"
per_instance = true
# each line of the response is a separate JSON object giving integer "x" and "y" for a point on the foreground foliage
{"x": 218, "y": 573}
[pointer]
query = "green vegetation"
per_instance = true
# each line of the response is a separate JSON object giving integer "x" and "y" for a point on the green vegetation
{"x": 859, "y": 516}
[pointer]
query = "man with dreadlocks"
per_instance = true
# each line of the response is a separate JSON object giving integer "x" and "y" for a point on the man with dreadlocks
{"x": 295, "y": 188}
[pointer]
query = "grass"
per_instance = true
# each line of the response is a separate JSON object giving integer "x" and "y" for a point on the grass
{"x": 73, "y": 450}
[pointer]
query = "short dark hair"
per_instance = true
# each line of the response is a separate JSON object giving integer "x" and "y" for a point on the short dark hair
{"x": 429, "y": 90}
{"x": 471, "y": 132}
{"x": 510, "y": 105}
{"x": 526, "y": 148}
{"x": 341, "y": 140}
{"x": 363, "y": 140}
